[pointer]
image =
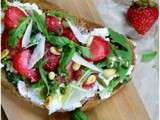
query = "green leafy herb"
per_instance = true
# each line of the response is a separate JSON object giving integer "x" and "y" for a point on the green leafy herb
{"x": 119, "y": 39}
{"x": 54, "y": 85}
{"x": 61, "y": 14}
{"x": 124, "y": 54}
{"x": 85, "y": 51}
{"x": 33, "y": 41}
{"x": 101, "y": 82}
{"x": 40, "y": 88}
{"x": 58, "y": 41}
{"x": 4, "y": 5}
{"x": 43, "y": 74}
{"x": 40, "y": 21}
{"x": 113, "y": 84}
{"x": 14, "y": 78}
{"x": 78, "y": 115}
{"x": 17, "y": 33}
{"x": 66, "y": 56}
{"x": 148, "y": 55}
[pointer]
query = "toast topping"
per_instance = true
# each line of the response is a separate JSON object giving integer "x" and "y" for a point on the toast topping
{"x": 60, "y": 61}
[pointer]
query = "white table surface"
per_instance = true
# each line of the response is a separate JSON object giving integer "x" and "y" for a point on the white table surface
{"x": 145, "y": 76}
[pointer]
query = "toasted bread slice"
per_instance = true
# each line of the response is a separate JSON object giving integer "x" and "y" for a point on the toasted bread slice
{"x": 90, "y": 103}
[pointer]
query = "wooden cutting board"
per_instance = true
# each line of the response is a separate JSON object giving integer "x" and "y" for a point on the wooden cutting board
{"x": 125, "y": 105}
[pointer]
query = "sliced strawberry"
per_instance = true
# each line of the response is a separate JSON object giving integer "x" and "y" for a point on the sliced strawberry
{"x": 19, "y": 45}
{"x": 12, "y": 17}
{"x": 4, "y": 43}
{"x": 89, "y": 82}
{"x": 73, "y": 75}
{"x": 88, "y": 86}
{"x": 99, "y": 49}
{"x": 52, "y": 60}
{"x": 77, "y": 74}
{"x": 20, "y": 63}
{"x": 53, "y": 24}
{"x": 4, "y": 40}
{"x": 67, "y": 32}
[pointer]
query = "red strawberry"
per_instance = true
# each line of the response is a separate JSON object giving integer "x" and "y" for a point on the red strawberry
{"x": 13, "y": 17}
{"x": 53, "y": 24}
{"x": 4, "y": 43}
{"x": 69, "y": 34}
{"x": 89, "y": 82}
{"x": 88, "y": 86}
{"x": 4, "y": 40}
{"x": 73, "y": 75}
{"x": 142, "y": 17}
{"x": 52, "y": 60}
{"x": 20, "y": 63}
{"x": 99, "y": 49}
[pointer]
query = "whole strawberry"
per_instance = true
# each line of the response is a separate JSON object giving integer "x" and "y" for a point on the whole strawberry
{"x": 142, "y": 15}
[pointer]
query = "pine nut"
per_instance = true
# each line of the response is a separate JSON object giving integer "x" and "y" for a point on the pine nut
{"x": 109, "y": 72}
{"x": 51, "y": 75}
{"x": 4, "y": 53}
{"x": 54, "y": 51}
{"x": 76, "y": 66}
{"x": 91, "y": 79}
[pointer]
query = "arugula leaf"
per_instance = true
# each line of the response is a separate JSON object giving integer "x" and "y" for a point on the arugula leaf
{"x": 54, "y": 85}
{"x": 148, "y": 55}
{"x": 39, "y": 84}
{"x": 4, "y": 5}
{"x": 17, "y": 33}
{"x": 66, "y": 56}
{"x": 43, "y": 74}
{"x": 125, "y": 54}
{"x": 61, "y": 14}
{"x": 14, "y": 78}
{"x": 40, "y": 88}
{"x": 113, "y": 84}
{"x": 40, "y": 21}
{"x": 33, "y": 41}
{"x": 78, "y": 115}
{"x": 119, "y": 39}
{"x": 85, "y": 51}
{"x": 58, "y": 41}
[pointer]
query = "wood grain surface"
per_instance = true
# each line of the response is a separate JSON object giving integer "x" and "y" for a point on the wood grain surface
{"x": 125, "y": 105}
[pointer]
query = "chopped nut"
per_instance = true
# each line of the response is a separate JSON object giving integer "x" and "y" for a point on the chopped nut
{"x": 91, "y": 79}
{"x": 54, "y": 51}
{"x": 76, "y": 66}
{"x": 4, "y": 53}
{"x": 51, "y": 75}
{"x": 109, "y": 72}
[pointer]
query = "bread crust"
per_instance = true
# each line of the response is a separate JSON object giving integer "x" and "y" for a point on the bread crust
{"x": 90, "y": 103}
